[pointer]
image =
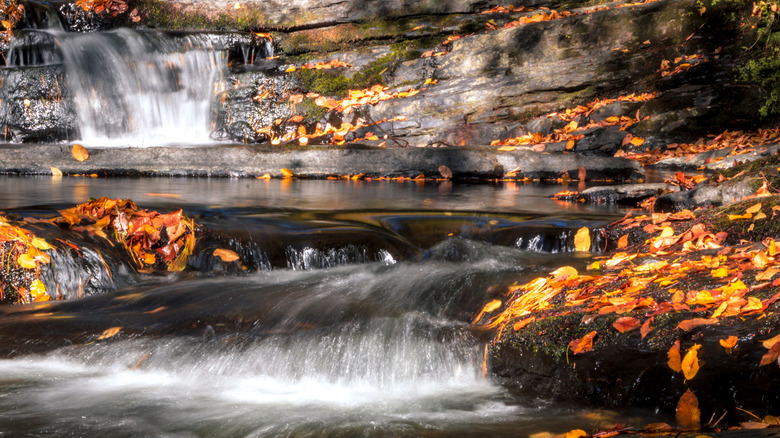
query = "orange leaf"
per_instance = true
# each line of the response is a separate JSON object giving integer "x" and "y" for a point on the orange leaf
{"x": 688, "y": 413}
{"x": 522, "y": 323}
{"x": 287, "y": 173}
{"x": 646, "y": 327}
{"x": 674, "y": 357}
{"x": 109, "y": 333}
{"x": 226, "y": 255}
{"x": 576, "y": 433}
{"x": 637, "y": 141}
{"x": 79, "y": 152}
{"x": 690, "y": 363}
{"x": 771, "y": 355}
{"x": 623, "y": 241}
{"x": 690, "y": 324}
{"x": 754, "y": 209}
{"x": 626, "y": 324}
{"x": 729, "y": 343}
{"x": 570, "y": 145}
{"x": 583, "y": 344}
{"x": 38, "y": 291}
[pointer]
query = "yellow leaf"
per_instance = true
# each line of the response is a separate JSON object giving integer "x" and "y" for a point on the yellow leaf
{"x": 721, "y": 272}
{"x": 287, "y": 173}
{"x": 507, "y": 148}
{"x": 38, "y": 291}
{"x": 734, "y": 217}
{"x": 55, "y": 171}
{"x": 637, "y": 141}
{"x": 760, "y": 259}
{"x": 26, "y": 261}
{"x": 226, "y": 255}
{"x": 576, "y": 433}
{"x": 290, "y": 69}
{"x": 491, "y": 306}
{"x": 754, "y": 209}
{"x": 582, "y": 239}
{"x": 759, "y": 216}
{"x": 666, "y": 232}
{"x": 79, "y": 152}
{"x": 109, "y": 333}
{"x": 690, "y": 363}
{"x": 149, "y": 258}
{"x": 41, "y": 244}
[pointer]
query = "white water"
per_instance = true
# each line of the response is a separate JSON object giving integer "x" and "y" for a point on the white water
{"x": 142, "y": 89}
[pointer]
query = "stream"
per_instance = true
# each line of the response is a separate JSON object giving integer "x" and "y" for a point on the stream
{"x": 356, "y": 324}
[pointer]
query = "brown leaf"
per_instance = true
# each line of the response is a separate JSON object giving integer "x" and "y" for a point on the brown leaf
{"x": 626, "y": 324}
{"x": 771, "y": 355}
{"x": 690, "y": 363}
{"x": 674, "y": 357}
{"x": 79, "y": 152}
{"x": 583, "y": 344}
{"x": 690, "y": 324}
{"x": 445, "y": 172}
{"x": 582, "y": 174}
{"x": 226, "y": 255}
{"x": 688, "y": 413}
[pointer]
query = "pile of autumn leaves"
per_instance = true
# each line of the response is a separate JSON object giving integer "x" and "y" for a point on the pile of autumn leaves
{"x": 662, "y": 275}
{"x": 153, "y": 240}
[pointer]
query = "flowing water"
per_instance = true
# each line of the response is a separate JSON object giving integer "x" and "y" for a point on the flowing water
{"x": 356, "y": 324}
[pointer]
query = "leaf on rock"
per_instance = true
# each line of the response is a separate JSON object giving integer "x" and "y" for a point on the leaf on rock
{"x": 675, "y": 363}
{"x": 491, "y": 306}
{"x": 646, "y": 327}
{"x": 55, "y": 171}
{"x": 626, "y": 324}
{"x": 41, "y": 244}
{"x": 769, "y": 343}
{"x": 582, "y": 239}
{"x": 771, "y": 355}
{"x": 38, "y": 291}
{"x": 79, "y": 152}
{"x": 729, "y": 343}
{"x": 445, "y": 172}
{"x": 754, "y": 209}
{"x": 690, "y": 324}
{"x": 108, "y": 333}
{"x": 576, "y": 433}
{"x": 26, "y": 261}
{"x": 564, "y": 273}
{"x": 583, "y": 344}
{"x": 623, "y": 241}
{"x": 690, "y": 363}
{"x": 287, "y": 173}
{"x": 688, "y": 413}
{"x": 226, "y": 255}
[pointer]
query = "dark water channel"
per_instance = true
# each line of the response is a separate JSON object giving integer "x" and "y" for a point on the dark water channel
{"x": 354, "y": 321}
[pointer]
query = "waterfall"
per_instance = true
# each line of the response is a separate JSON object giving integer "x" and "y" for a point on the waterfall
{"x": 141, "y": 89}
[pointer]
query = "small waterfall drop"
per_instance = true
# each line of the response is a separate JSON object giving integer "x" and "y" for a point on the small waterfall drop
{"x": 142, "y": 88}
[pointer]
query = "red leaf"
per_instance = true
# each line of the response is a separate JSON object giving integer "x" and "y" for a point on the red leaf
{"x": 583, "y": 344}
{"x": 626, "y": 324}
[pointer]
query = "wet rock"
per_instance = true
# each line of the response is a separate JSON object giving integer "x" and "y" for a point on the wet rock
{"x": 708, "y": 195}
{"x": 717, "y": 159}
{"x": 604, "y": 141}
{"x": 625, "y": 194}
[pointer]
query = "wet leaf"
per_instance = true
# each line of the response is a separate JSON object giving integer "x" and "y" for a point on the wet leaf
{"x": 675, "y": 363}
{"x": 26, "y": 261}
{"x": 623, "y": 241}
{"x": 226, "y": 255}
{"x": 41, "y": 244}
{"x": 445, "y": 172}
{"x": 754, "y": 209}
{"x": 687, "y": 412}
{"x": 79, "y": 152}
{"x": 690, "y": 324}
{"x": 658, "y": 427}
{"x": 108, "y": 333}
{"x": 582, "y": 239}
{"x": 646, "y": 327}
{"x": 491, "y": 306}
{"x": 564, "y": 272}
{"x": 583, "y": 344}
{"x": 690, "y": 363}
{"x": 771, "y": 355}
{"x": 523, "y": 323}
{"x": 38, "y": 291}
{"x": 287, "y": 173}
{"x": 729, "y": 343}
{"x": 769, "y": 343}
{"x": 55, "y": 171}
{"x": 626, "y": 324}
{"x": 637, "y": 141}
{"x": 753, "y": 425}
{"x": 721, "y": 272}
{"x": 734, "y": 217}
{"x": 576, "y": 433}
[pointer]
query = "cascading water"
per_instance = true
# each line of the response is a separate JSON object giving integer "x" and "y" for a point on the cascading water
{"x": 142, "y": 88}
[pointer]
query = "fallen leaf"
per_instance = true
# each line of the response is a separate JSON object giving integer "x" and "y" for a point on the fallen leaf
{"x": 582, "y": 239}
{"x": 445, "y": 172}
{"x": 109, "y": 333}
{"x": 626, "y": 324}
{"x": 753, "y": 425}
{"x": 623, "y": 241}
{"x": 522, "y": 323}
{"x": 26, "y": 261}
{"x": 646, "y": 327}
{"x": 55, "y": 171}
{"x": 41, "y": 244}
{"x": 754, "y": 209}
{"x": 637, "y": 141}
{"x": 687, "y": 412}
{"x": 729, "y": 343}
{"x": 287, "y": 173}
{"x": 690, "y": 324}
{"x": 690, "y": 363}
{"x": 79, "y": 152}
{"x": 769, "y": 343}
{"x": 38, "y": 291}
{"x": 583, "y": 344}
{"x": 226, "y": 255}
{"x": 675, "y": 363}
{"x": 576, "y": 433}
{"x": 771, "y": 355}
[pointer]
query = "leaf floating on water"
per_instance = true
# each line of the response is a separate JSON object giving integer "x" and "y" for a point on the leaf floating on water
{"x": 690, "y": 363}
{"x": 79, "y": 152}
{"x": 688, "y": 413}
{"x": 55, "y": 171}
{"x": 108, "y": 333}
{"x": 583, "y": 344}
{"x": 626, "y": 324}
{"x": 582, "y": 239}
{"x": 675, "y": 363}
{"x": 229, "y": 256}
{"x": 287, "y": 173}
